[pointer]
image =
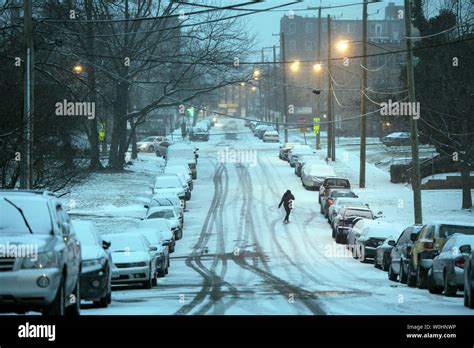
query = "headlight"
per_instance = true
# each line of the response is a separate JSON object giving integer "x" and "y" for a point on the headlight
{"x": 89, "y": 263}
{"x": 43, "y": 260}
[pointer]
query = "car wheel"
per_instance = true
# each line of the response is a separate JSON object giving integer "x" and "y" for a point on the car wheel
{"x": 58, "y": 306}
{"x": 333, "y": 234}
{"x": 151, "y": 148}
{"x": 104, "y": 301}
{"x": 321, "y": 209}
{"x": 149, "y": 283}
{"x": 448, "y": 290}
{"x": 391, "y": 274}
{"x": 154, "y": 281}
{"x": 362, "y": 255}
{"x": 432, "y": 287}
{"x": 179, "y": 234}
{"x": 411, "y": 279}
{"x": 338, "y": 237}
{"x": 75, "y": 297}
{"x": 403, "y": 275}
{"x": 421, "y": 278}
{"x": 376, "y": 264}
{"x": 385, "y": 263}
{"x": 161, "y": 273}
{"x": 166, "y": 270}
{"x": 172, "y": 248}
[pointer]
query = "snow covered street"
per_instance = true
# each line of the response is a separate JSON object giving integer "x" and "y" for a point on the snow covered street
{"x": 236, "y": 255}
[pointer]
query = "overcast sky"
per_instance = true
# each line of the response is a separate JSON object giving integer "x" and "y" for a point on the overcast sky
{"x": 265, "y": 24}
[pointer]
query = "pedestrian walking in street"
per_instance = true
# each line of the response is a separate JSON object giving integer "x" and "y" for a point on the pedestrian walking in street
{"x": 287, "y": 201}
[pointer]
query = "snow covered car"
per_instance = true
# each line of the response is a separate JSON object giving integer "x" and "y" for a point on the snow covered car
{"x": 313, "y": 175}
{"x": 427, "y": 245}
{"x": 332, "y": 181}
{"x": 306, "y": 159}
{"x": 297, "y": 151}
{"x": 180, "y": 170}
{"x": 46, "y": 277}
{"x": 184, "y": 152}
{"x": 163, "y": 199}
{"x": 345, "y": 220}
{"x": 161, "y": 146}
{"x": 162, "y": 253}
{"x": 469, "y": 280}
{"x": 97, "y": 265}
{"x": 397, "y": 139}
{"x": 147, "y": 144}
{"x": 382, "y": 253}
{"x": 283, "y": 153}
{"x": 400, "y": 254}
{"x": 162, "y": 226}
{"x": 198, "y": 133}
{"x": 339, "y": 202}
{"x": 373, "y": 235}
{"x": 447, "y": 271}
{"x": 134, "y": 257}
{"x": 169, "y": 183}
{"x": 184, "y": 183}
{"x": 261, "y": 130}
{"x": 168, "y": 213}
{"x": 271, "y": 136}
{"x": 328, "y": 199}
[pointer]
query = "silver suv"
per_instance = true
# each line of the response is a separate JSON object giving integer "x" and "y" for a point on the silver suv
{"x": 40, "y": 257}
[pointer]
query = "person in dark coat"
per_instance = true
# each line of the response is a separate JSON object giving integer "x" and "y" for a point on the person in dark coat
{"x": 287, "y": 201}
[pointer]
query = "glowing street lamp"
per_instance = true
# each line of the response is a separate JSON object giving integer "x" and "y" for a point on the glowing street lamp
{"x": 78, "y": 69}
{"x": 342, "y": 45}
{"x": 254, "y": 89}
{"x": 317, "y": 67}
{"x": 295, "y": 67}
{"x": 256, "y": 74}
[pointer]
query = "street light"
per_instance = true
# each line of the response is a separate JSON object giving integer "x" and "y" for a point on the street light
{"x": 295, "y": 67}
{"x": 254, "y": 89}
{"x": 317, "y": 67}
{"x": 78, "y": 69}
{"x": 256, "y": 74}
{"x": 342, "y": 45}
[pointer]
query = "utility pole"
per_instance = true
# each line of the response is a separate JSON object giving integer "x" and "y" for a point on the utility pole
{"x": 363, "y": 100}
{"x": 274, "y": 83}
{"x": 26, "y": 171}
{"x": 318, "y": 105}
{"x": 330, "y": 116}
{"x": 415, "y": 179}
{"x": 283, "y": 71}
{"x": 260, "y": 87}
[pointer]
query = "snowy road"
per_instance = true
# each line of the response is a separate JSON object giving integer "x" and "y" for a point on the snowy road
{"x": 236, "y": 255}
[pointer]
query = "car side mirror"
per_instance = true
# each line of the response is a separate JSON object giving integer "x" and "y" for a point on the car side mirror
{"x": 197, "y": 156}
{"x": 413, "y": 237}
{"x": 146, "y": 206}
{"x": 391, "y": 243}
{"x": 153, "y": 248}
{"x": 465, "y": 249}
{"x": 165, "y": 243}
{"x": 106, "y": 245}
{"x": 197, "y": 149}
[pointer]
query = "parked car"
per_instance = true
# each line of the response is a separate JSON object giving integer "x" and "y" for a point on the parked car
{"x": 147, "y": 144}
{"x": 343, "y": 201}
{"x": 447, "y": 271}
{"x": 297, "y": 151}
{"x": 184, "y": 152}
{"x": 306, "y": 159}
{"x": 353, "y": 233}
{"x": 271, "y": 136}
{"x": 283, "y": 154}
{"x": 167, "y": 200}
{"x": 397, "y": 139}
{"x": 382, "y": 253}
{"x": 373, "y": 236}
{"x": 155, "y": 238}
{"x": 261, "y": 130}
{"x": 469, "y": 280}
{"x": 427, "y": 245}
{"x": 330, "y": 182}
{"x": 400, "y": 254}
{"x": 161, "y": 146}
{"x": 180, "y": 170}
{"x": 313, "y": 175}
{"x": 168, "y": 213}
{"x": 329, "y": 197}
{"x": 162, "y": 226}
{"x": 47, "y": 279}
{"x": 134, "y": 257}
{"x": 97, "y": 265}
{"x": 168, "y": 183}
{"x": 345, "y": 220}
{"x": 182, "y": 179}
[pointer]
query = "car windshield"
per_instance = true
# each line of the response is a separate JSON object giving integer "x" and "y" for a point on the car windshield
{"x": 447, "y": 230}
{"x": 168, "y": 182}
{"x": 148, "y": 139}
{"x": 164, "y": 214}
{"x": 359, "y": 213}
{"x": 152, "y": 237}
{"x": 86, "y": 237}
{"x": 338, "y": 182}
{"x": 36, "y": 213}
{"x": 121, "y": 244}
{"x": 348, "y": 202}
{"x": 344, "y": 194}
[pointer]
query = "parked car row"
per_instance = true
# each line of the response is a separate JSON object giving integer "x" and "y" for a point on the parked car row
{"x": 264, "y": 131}
{"x": 201, "y": 130}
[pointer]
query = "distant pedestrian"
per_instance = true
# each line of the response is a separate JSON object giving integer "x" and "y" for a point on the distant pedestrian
{"x": 287, "y": 201}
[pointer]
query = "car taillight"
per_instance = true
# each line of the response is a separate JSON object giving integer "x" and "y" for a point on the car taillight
{"x": 428, "y": 245}
{"x": 330, "y": 201}
{"x": 459, "y": 262}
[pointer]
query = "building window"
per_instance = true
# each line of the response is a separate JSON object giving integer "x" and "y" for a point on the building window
{"x": 308, "y": 45}
{"x": 292, "y": 27}
{"x": 309, "y": 27}
{"x": 292, "y": 45}
{"x": 378, "y": 30}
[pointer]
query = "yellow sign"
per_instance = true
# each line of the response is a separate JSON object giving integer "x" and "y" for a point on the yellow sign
{"x": 316, "y": 125}
{"x": 303, "y": 130}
